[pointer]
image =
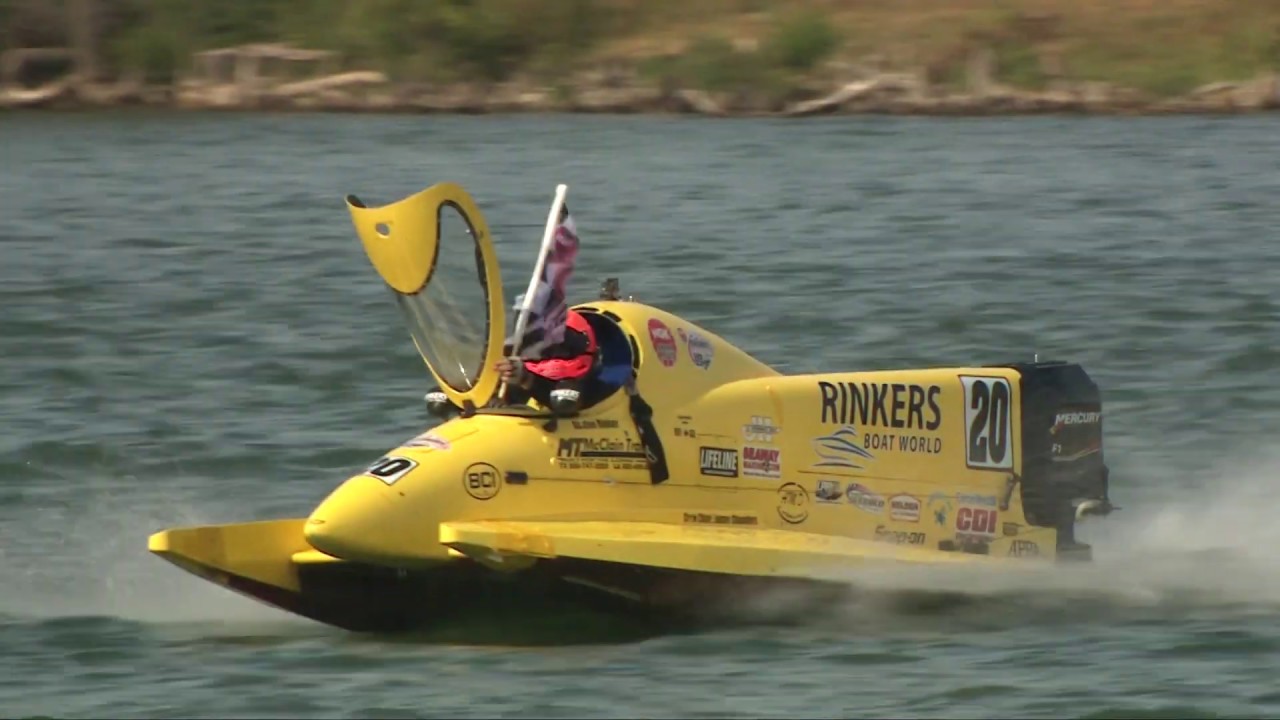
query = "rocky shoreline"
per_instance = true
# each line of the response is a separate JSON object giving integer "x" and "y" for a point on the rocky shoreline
{"x": 241, "y": 86}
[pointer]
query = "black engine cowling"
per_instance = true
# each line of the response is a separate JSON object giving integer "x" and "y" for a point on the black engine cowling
{"x": 1063, "y": 468}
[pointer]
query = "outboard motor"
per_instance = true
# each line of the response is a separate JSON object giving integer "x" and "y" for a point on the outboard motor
{"x": 1064, "y": 476}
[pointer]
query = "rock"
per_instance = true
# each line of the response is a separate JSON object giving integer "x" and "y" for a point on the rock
{"x": 330, "y": 82}
{"x": 631, "y": 99}
{"x": 696, "y": 101}
{"x": 1261, "y": 93}
{"x": 884, "y": 87}
{"x": 43, "y": 96}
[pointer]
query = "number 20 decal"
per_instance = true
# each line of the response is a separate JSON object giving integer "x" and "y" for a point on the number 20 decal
{"x": 988, "y": 422}
{"x": 391, "y": 468}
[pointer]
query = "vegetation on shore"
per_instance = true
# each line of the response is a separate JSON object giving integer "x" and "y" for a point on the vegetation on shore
{"x": 781, "y": 48}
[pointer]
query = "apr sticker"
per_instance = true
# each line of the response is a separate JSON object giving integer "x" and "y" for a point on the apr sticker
{"x": 1023, "y": 548}
{"x": 391, "y": 468}
{"x": 700, "y": 350}
{"x": 664, "y": 345}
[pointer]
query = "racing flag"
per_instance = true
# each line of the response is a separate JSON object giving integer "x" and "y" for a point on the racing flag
{"x": 549, "y": 310}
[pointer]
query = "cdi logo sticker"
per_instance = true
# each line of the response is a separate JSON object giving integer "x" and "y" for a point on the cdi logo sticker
{"x": 976, "y": 521}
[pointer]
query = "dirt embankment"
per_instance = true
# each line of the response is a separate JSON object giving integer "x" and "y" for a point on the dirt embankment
{"x": 914, "y": 57}
{"x": 617, "y": 91}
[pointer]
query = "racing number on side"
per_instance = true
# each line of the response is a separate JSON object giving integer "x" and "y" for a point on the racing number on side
{"x": 391, "y": 468}
{"x": 481, "y": 481}
{"x": 988, "y": 423}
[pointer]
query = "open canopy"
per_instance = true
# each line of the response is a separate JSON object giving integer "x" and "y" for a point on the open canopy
{"x": 434, "y": 251}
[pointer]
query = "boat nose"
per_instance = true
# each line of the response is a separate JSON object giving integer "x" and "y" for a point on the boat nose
{"x": 365, "y": 520}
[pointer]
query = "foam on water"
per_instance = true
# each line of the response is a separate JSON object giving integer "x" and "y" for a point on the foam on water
{"x": 1211, "y": 548}
{"x": 89, "y": 557}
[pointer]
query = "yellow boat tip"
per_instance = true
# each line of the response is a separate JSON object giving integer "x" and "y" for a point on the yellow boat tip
{"x": 159, "y": 542}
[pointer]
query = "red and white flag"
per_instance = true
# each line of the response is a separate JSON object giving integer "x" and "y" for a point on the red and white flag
{"x": 548, "y": 312}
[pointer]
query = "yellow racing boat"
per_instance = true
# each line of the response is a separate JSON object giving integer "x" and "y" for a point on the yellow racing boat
{"x": 688, "y": 472}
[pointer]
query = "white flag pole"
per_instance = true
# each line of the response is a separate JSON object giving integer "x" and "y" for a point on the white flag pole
{"x": 548, "y": 238}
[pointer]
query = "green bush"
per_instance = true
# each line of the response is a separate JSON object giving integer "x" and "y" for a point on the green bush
{"x": 154, "y": 52}
{"x": 800, "y": 41}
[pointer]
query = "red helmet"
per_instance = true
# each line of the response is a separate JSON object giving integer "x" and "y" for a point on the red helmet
{"x": 575, "y": 321}
{"x": 568, "y": 368}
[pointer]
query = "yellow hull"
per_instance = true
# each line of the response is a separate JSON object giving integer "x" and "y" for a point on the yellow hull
{"x": 656, "y": 577}
{"x": 457, "y": 599}
{"x": 686, "y": 470}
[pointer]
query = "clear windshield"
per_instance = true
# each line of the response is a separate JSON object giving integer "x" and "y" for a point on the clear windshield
{"x": 449, "y": 317}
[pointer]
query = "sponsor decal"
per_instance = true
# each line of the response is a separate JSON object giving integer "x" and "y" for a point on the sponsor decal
{"x": 976, "y": 523}
{"x": 904, "y": 508}
{"x": 898, "y": 406}
{"x": 481, "y": 481}
{"x": 595, "y": 424}
{"x": 390, "y": 468}
{"x": 940, "y": 507}
{"x": 1075, "y": 435}
{"x": 829, "y": 491}
{"x": 594, "y": 453}
{"x": 1059, "y": 456}
{"x": 720, "y": 462}
{"x": 686, "y": 432}
{"x": 793, "y": 503}
{"x": 664, "y": 345}
{"x": 983, "y": 500}
{"x": 701, "y": 351}
{"x": 1063, "y": 419}
{"x": 717, "y": 519}
{"x": 864, "y": 498}
{"x": 898, "y": 537}
{"x": 879, "y": 407}
{"x": 760, "y": 430}
{"x": 840, "y": 449}
{"x": 1023, "y": 548}
{"x": 761, "y": 462}
{"x": 988, "y": 422}
{"x": 428, "y": 439}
